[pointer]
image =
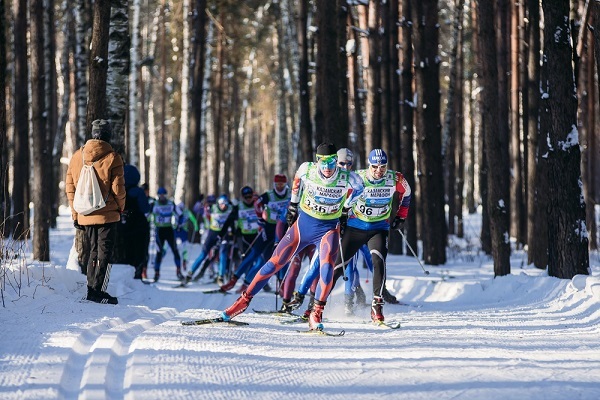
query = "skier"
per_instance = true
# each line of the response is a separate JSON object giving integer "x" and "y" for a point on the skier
{"x": 268, "y": 207}
{"x": 321, "y": 193}
{"x": 219, "y": 222}
{"x": 247, "y": 221}
{"x": 164, "y": 216}
{"x": 370, "y": 220}
{"x": 187, "y": 222}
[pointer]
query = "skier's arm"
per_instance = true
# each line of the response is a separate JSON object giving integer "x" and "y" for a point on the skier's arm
{"x": 404, "y": 193}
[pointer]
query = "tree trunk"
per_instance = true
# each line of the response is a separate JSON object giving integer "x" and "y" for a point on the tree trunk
{"x": 119, "y": 49}
{"x": 382, "y": 37}
{"x": 4, "y": 197}
{"x": 282, "y": 162}
{"x": 161, "y": 136}
{"x": 306, "y": 145}
{"x": 194, "y": 155}
{"x": 537, "y": 239}
{"x": 459, "y": 153}
{"x": 450, "y": 124}
{"x": 20, "y": 193}
{"x": 503, "y": 130}
{"x": 81, "y": 67}
{"x": 567, "y": 235}
{"x": 216, "y": 103}
{"x": 394, "y": 79}
{"x": 328, "y": 113}
{"x": 42, "y": 152}
{"x": 407, "y": 121}
{"x": 373, "y": 107}
{"x": 429, "y": 145}
{"x": 96, "y": 107}
{"x": 183, "y": 167}
{"x": 51, "y": 94}
{"x": 496, "y": 143}
{"x": 132, "y": 131}
{"x": 516, "y": 185}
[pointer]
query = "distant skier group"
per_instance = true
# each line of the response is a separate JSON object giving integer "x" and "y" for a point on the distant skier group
{"x": 327, "y": 215}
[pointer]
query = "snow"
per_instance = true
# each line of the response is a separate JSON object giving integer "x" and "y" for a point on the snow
{"x": 464, "y": 335}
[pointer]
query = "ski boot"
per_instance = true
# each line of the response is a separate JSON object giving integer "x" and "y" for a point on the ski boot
{"x": 242, "y": 288}
{"x": 240, "y": 305}
{"x": 316, "y": 316}
{"x": 296, "y": 301}
{"x": 229, "y": 285}
{"x": 377, "y": 309}
{"x": 285, "y": 307}
{"x": 348, "y": 305}
{"x": 388, "y": 298}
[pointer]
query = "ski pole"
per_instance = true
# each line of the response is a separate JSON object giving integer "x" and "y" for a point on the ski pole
{"x": 411, "y": 249}
{"x": 342, "y": 257}
{"x": 250, "y": 245}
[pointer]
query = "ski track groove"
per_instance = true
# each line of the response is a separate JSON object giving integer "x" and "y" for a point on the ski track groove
{"x": 100, "y": 355}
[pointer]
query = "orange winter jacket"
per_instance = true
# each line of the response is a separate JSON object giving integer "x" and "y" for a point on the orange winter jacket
{"x": 109, "y": 171}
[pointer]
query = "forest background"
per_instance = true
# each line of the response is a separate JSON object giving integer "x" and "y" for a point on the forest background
{"x": 483, "y": 105}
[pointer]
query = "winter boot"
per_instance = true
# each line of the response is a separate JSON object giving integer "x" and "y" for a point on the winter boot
{"x": 377, "y": 309}
{"x": 220, "y": 281}
{"x": 179, "y": 274}
{"x": 240, "y": 305}
{"x": 296, "y": 301}
{"x": 138, "y": 272}
{"x": 388, "y": 298}
{"x": 242, "y": 288}
{"x": 156, "y": 275}
{"x": 93, "y": 295}
{"x": 229, "y": 285}
{"x": 108, "y": 299}
{"x": 348, "y": 305}
{"x": 316, "y": 315}
{"x": 361, "y": 298}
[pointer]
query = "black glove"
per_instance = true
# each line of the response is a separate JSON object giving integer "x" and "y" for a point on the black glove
{"x": 77, "y": 226}
{"x": 292, "y": 214}
{"x": 398, "y": 223}
{"x": 343, "y": 220}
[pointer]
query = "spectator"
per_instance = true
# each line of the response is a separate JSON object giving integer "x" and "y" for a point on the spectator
{"x": 100, "y": 225}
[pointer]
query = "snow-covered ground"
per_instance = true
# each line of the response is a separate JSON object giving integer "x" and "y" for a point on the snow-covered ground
{"x": 464, "y": 335}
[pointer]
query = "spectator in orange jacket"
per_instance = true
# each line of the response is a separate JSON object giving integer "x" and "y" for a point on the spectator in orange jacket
{"x": 100, "y": 225}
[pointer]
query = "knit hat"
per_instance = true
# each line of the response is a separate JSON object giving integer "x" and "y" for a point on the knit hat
{"x": 326, "y": 149}
{"x": 345, "y": 155}
{"x": 377, "y": 157}
{"x": 280, "y": 178}
{"x": 101, "y": 130}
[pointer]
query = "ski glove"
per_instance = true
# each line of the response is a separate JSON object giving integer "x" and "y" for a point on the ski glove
{"x": 77, "y": 226}
{"x": 398, "y": 223}
{"x": 343, "y": 220}
{"x": 292, "y": 214}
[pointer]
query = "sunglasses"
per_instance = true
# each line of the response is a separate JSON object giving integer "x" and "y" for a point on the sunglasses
{"x": 380, "y": 167}
{"x": 248, "y": 196}
{"x": 345, "y": 164}
{"x": 327, "y": 162}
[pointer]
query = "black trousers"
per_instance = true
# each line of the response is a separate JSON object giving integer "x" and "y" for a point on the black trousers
{"x": 101, "y": 239}
{"x": 377, "y": 241}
